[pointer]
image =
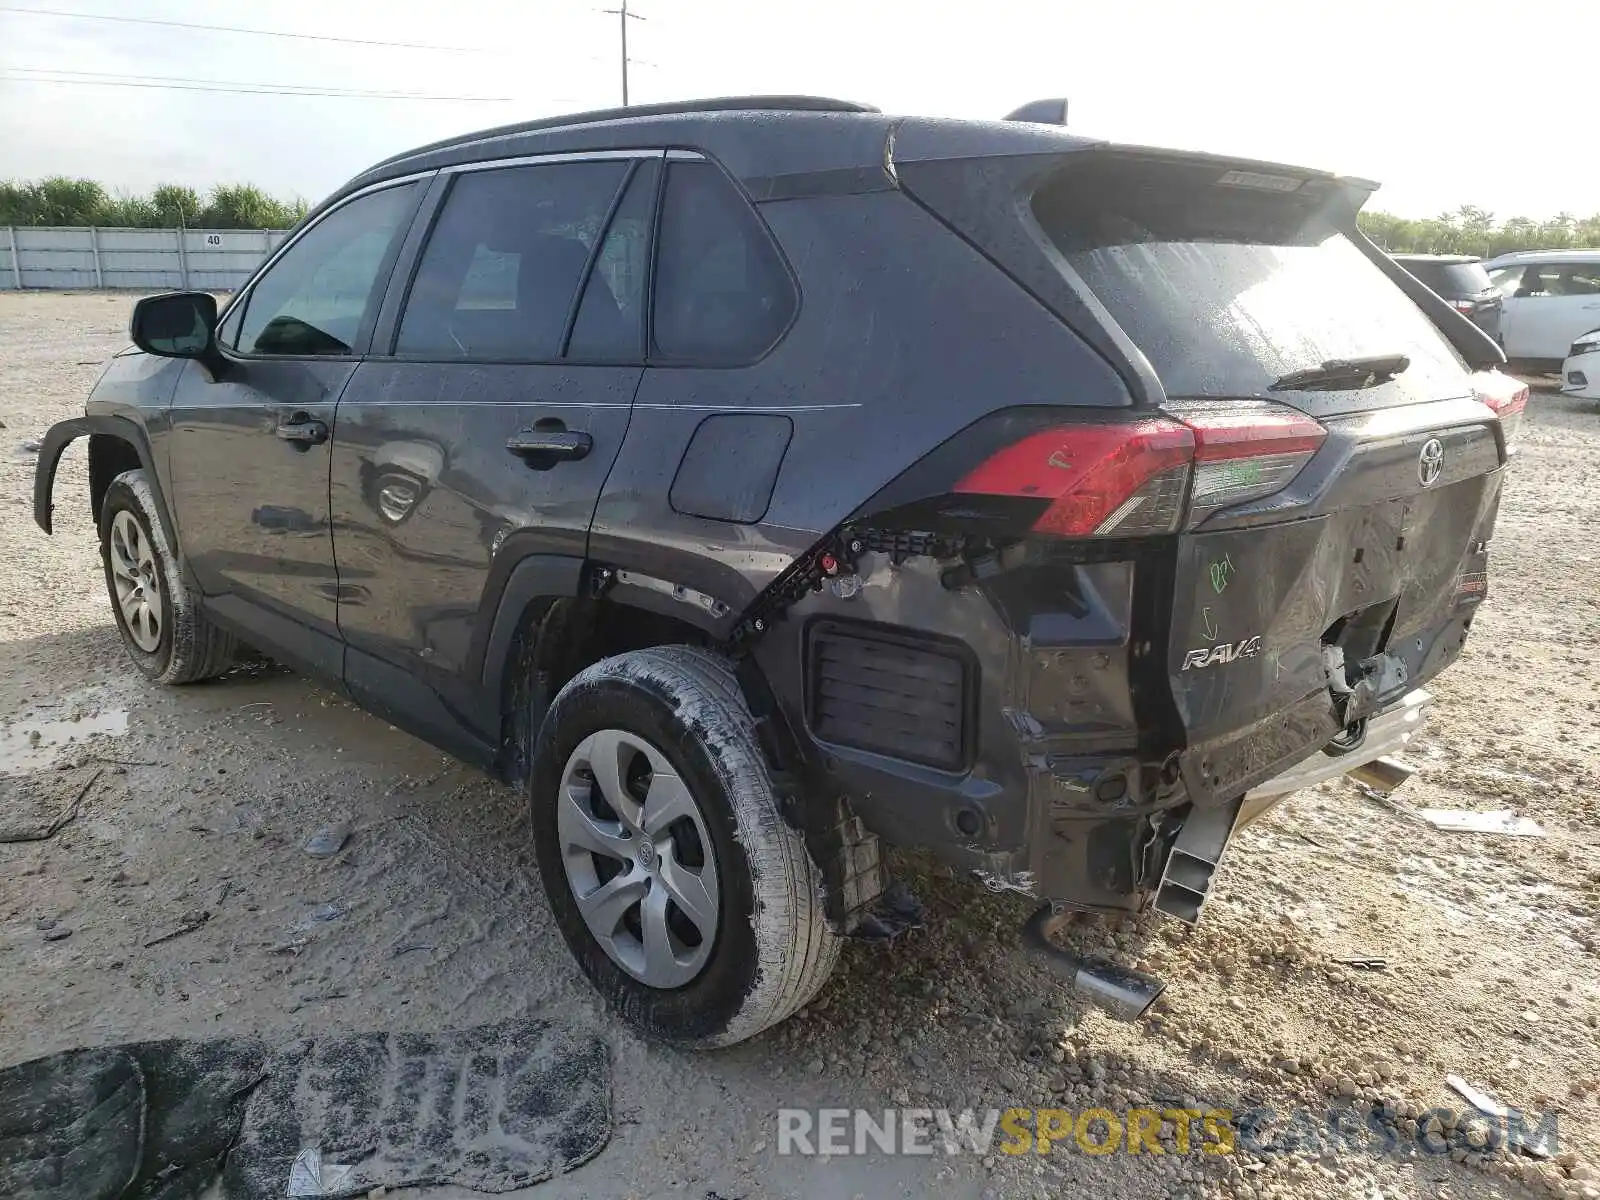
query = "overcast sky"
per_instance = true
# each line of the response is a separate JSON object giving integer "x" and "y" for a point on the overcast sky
{"x": 1422, "y": 95}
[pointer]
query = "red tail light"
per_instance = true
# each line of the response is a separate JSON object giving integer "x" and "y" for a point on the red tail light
{"x": 1141, "y": 477}
{"x": 1505, "y": 395}
{"x": 1096, "y": 477}
{"x": 1246, "y": 453}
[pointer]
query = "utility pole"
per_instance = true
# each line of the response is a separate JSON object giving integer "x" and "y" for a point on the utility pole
{"x": 624, "y": 16}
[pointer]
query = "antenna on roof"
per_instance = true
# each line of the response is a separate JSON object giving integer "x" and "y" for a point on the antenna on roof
{"x": 1042, "y": 112}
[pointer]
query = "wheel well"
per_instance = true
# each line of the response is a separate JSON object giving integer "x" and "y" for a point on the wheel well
{"x": 109, "y": 456}
{"x": 560, "y": 636}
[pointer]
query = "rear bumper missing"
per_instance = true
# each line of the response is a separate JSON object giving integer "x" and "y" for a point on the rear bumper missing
{"x": 1387, "y": 733}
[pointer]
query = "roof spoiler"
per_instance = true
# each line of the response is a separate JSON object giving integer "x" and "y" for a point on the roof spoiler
{"x": 1041, "y": 112}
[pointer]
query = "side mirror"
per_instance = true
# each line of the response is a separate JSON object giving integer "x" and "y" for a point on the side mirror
{"x": 176, "y": 325}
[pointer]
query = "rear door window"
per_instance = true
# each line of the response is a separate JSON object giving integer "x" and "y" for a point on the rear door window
{"x": 1575, "y": 279}
{"x": 1227, "y": 287}
{"x": 503, "y": 265}
{"x": 610, "y": 322}
{"x": 723, "y": 293}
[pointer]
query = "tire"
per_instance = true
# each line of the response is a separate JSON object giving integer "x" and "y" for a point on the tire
{"x": 169, "y": 639}
{"x": 772, "y": 949}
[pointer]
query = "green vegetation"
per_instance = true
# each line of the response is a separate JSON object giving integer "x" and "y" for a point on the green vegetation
{"x": 62, "y": 201}
{"x": 1471, "y": 230}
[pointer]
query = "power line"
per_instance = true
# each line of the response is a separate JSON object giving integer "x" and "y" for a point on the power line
{"x": 312, "y": 88}
{"x": 250, "y": 90}
{"x": 308, "y": 37}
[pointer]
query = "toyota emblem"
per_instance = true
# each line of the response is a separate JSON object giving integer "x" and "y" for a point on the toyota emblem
{"x": 1430, "y": 462}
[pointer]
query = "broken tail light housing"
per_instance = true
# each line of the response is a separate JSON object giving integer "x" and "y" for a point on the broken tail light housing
{"x": 1506, "y": 397}
{"x": 1153, "y": 475}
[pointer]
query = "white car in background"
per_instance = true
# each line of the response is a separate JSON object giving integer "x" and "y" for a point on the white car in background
{"x": 1580, "y": 374}
{"x": 1551, "y": 297}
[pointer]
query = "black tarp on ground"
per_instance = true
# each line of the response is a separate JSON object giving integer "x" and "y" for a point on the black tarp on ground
{"x": 493, "y": 1108}
{"x": 72, "y": 1126}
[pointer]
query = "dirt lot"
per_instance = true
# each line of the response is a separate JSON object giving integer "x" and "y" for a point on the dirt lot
{"x": 198, "y": 800}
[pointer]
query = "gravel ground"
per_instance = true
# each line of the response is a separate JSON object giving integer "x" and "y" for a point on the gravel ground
{"x": 198, "y": 800}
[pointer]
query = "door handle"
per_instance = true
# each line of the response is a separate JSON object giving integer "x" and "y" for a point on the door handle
{"x": 550, "y": 446}
{"x": 303, "y": 431}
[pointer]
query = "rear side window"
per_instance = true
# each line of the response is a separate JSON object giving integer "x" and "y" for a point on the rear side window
{"x": 1430, "y": 273}
{"x": 1227, "y": 287}
{"x": 1450, "y": 278}
{"x": 1467, "y": 279}
{"x": 504, "y": 262}
{"x": 723, "y": 294}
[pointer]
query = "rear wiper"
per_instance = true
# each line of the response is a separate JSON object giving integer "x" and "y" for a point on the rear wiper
{"x": 1340, "y": 374}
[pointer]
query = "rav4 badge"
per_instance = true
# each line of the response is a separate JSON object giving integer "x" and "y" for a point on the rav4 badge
{"x": 1225, "y": 652}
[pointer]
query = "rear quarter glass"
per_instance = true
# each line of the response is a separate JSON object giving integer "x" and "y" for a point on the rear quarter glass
{"x": 1467, "y": 279}
{"x": 1225, "y": 289}
{"x": 1452, "y": 280}
{"x": 1431, "y": 274}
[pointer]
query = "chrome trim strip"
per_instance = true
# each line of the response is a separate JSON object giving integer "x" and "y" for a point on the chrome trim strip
{"x": 565, "y": 156}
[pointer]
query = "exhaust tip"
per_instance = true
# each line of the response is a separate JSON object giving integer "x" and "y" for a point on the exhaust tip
{"x": 1382, "y": 774}
{"x": 1122, "y": 992}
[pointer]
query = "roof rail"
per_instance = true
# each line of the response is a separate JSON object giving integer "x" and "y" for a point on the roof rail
{"x": 670, "y": 108}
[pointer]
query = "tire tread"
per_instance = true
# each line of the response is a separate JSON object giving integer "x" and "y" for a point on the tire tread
{"x": 198, "y": 649}
{"x": 795, "y": 947}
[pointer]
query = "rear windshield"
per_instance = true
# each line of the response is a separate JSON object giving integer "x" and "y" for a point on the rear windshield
{"x": 1227, "y": 284}
{"x": 1450, "y": 279}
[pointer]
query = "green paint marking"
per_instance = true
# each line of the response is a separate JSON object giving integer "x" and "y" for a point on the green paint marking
{"x": 1244, "y": 474}
{"x": 1222, "y": 572}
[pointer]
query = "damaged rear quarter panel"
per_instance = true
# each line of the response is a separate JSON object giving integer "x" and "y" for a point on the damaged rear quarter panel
{"x": 905, "y": 336}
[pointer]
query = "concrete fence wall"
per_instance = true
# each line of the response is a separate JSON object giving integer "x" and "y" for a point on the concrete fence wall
{"x": 213, "y": 260}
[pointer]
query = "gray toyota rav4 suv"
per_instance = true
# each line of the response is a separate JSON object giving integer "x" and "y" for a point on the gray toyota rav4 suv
{"x": 759, "y": 482}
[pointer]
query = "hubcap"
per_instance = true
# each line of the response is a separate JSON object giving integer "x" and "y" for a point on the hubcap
{"x": 638, "y": 858}
{"x": 136, "y": 580}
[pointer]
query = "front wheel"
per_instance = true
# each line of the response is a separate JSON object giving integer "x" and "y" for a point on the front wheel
{"x": 690, "y": 904}
{"x": 164, "y": 631}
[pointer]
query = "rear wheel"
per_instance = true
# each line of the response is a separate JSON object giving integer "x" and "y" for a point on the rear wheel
{"x": 164, "y": 631}
{"x": 680, "y": 890}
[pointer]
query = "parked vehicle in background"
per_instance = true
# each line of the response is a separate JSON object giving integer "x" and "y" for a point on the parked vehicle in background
{"x": 1580, "y": 374}
{"x": 1460, "y": 280}
{"x": 1551, "y": 297}
{"x": 753, "y": 480}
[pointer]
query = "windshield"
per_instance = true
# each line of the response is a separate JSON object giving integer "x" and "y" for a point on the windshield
{"x": 1228, "y": 288}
